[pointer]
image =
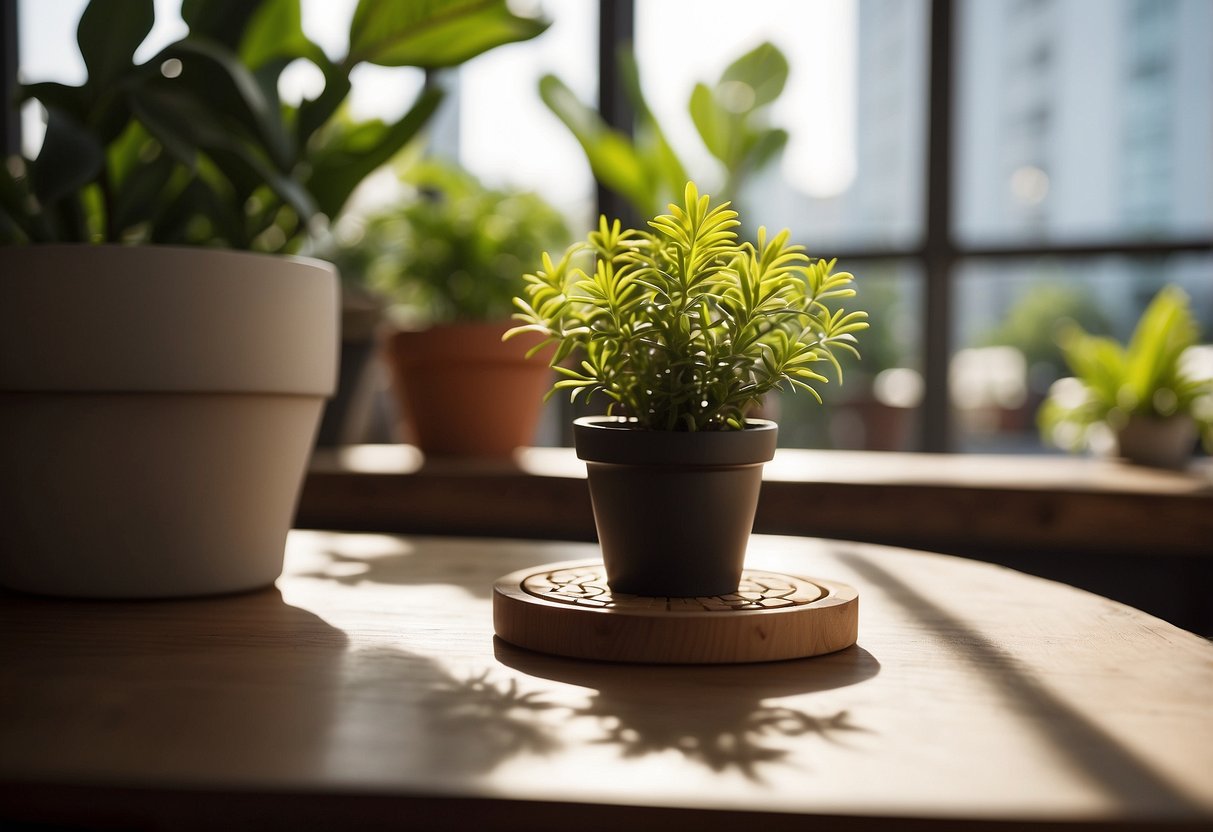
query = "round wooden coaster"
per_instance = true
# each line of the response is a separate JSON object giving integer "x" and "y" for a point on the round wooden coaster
{"x": 568, "y": 609}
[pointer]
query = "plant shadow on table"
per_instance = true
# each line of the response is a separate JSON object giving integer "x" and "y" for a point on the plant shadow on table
{"x": 431, "y": 560}
{"x": 150, "y": 665}
{"x": 1091, "y": 750}
{"x": 720, "y": 716}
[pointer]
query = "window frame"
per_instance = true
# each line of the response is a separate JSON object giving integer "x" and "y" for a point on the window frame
{"x": 936, "y": 256}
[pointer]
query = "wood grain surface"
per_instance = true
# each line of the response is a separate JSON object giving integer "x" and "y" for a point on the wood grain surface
{"x": 367, "y": 691}
{"x": 1139, "y": 535}
{"x": 568, "y": 609}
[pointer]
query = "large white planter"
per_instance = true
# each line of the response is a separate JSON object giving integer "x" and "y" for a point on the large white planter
{"x": 157, "y": 410}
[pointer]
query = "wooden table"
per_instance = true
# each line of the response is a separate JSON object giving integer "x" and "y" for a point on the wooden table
{"x": 367, "y": 691}
{"x": 1142, "y": 536}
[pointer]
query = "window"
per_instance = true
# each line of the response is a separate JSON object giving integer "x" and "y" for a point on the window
{"x": 986, "y": 163}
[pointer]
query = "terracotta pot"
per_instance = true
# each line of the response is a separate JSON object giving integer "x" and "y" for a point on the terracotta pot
{"x": 674, "y": 510}
{"x": 462, "y": 391}
{"x": 1160, "y": 443}
{"x": 157, "y": 407}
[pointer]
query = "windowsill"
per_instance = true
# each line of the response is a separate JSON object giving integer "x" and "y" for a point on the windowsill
{"x": 970, "y": 504}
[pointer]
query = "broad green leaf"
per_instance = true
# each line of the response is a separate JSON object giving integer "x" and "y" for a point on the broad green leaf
{"x": 74, "y": 101}
{"x": 191, "y": 199}
{"x": 138, "y": 197}
{"x": 70, "y": 158}
{"x": 184, "y": 130}
{"x": 275, "y": 32}
{"x": 349, "y": 156}
{"x": 172, "y": 121}
{"x": 433, "y": 33}
{"x": 755, "y": 79}
{"x": 714, "y": 124}
{"x": 214, "y": 77}
{"x": 612, "y": 158}
{"x": 108, "y": 34}
{"x": 766, "y": 147}
{"x": 222, "y": 21}
{"x": 315, "y": 113}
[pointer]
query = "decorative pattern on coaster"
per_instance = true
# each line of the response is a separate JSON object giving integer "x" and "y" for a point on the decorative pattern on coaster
{"x": 586, "y": 587}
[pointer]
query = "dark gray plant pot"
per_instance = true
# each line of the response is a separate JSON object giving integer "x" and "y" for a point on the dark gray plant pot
{"x": 674, "y": 510}
{"x": 1157, "y": 442}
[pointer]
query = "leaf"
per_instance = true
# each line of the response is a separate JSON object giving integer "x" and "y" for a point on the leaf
{"x": 184, "y": 130}
{"x": 350, "y": 156}
{"x": 74, "y": 101}
{"x": 612, "y": 158}
{"x": 70, "y": 158}
{"x": 314, "y": 113}
{"x": 108, "y": 34}
{"x": 766, "y": 147}
{"x": 137, "y": 196}
{"x": 274, "y": 32}
{"x": 763, "y": 70}
{"x": 434, "y": 33}
{"x": 216, "y": 79}
{"x": 713, "y": 123}
{"x": 221, "y": 21}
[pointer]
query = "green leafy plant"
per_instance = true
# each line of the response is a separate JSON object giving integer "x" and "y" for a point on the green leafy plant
{"x": 730, "y": 116}
{"x": 1147, "y": 377}
{"x": 682, "y": 325}
{"x": 195, "y": 146}
{"x": 456, "y": 250}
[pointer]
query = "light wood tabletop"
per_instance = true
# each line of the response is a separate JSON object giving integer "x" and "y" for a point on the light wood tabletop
{"x": 367, "y": 691}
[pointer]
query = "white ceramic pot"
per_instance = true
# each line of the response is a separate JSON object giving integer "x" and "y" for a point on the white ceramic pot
{"x": 157, "y": 410}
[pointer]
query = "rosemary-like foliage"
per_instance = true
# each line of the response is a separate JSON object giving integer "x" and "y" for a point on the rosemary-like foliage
{"x": 683, "y": 326}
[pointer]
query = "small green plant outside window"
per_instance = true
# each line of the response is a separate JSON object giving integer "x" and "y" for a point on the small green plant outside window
{"x": 684, "y": 326}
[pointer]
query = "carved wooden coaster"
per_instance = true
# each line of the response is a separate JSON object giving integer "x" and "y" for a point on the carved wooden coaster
{"x": 568, "y": 609}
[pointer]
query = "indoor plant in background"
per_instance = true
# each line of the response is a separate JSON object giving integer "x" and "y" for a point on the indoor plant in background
{"x": 1144, "y": 395}
{"x": 683, "y": 327}
{"x": 158, "y": 402}
{"x": 449, "y": 260}
{"x": 731, "y": 117}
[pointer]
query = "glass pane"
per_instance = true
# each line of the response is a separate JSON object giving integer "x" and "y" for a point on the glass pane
{"x": 854, "y": 108}
{"x": 1084, "y": 120}
{"x": 507, "y": 136}
{"x": 1007, "y": 314}
{"x": 878, "y": 405}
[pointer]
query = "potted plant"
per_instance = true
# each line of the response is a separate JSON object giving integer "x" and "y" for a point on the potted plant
{"x": 683, "y": 327}
{"x": 449, "y": 261}
{"x": 158, "y": 402}
{"x": 1143, "y": 394}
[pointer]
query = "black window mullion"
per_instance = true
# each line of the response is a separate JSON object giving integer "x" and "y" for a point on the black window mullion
{"x": 10, "y": 117}
{"x": 616, "y": 29}
{"x": 939, "y": 255}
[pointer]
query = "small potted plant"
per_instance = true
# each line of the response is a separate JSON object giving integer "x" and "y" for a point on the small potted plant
{"x": 448, "y": 260}
{"x": 164, "y": 356}
{"x": 683, "y": 327}
{"x": 1143, "y": 394}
